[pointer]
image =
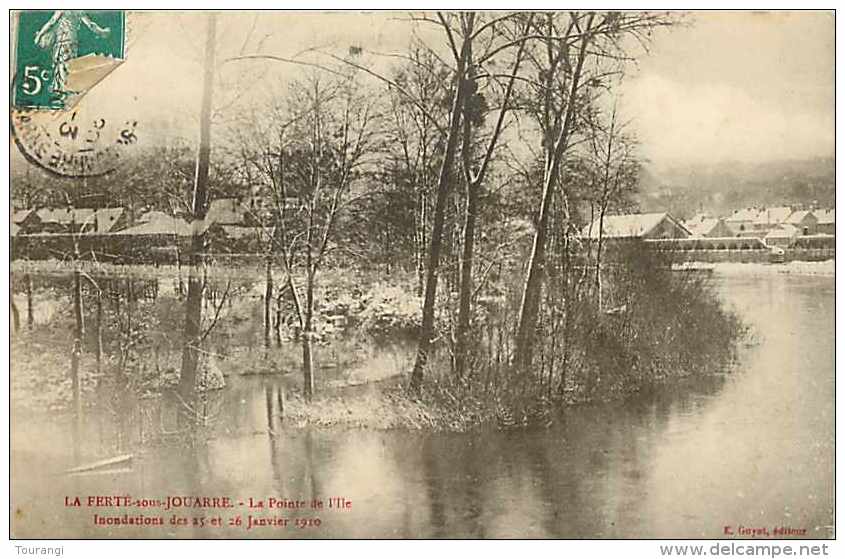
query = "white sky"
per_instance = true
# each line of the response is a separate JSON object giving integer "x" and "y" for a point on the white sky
{"x": 744, "y": 86}
{"x": 732, "y": 85}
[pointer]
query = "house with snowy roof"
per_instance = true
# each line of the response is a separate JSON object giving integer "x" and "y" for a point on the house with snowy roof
{"x": 700, "y": 226}
{"x": 804, "y": 220}
{"x": 742, "y": 221}
{"x": 770, "y": 218}
{"x": 659, "y": 225}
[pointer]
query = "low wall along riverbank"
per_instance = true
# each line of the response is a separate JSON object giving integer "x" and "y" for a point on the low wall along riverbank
{"x": 752, "y": 255}
{"x": 171, "y": 250}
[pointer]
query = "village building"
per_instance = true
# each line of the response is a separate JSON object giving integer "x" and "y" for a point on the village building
{"x": 156, "y": 224}
{"x": 741, "y": 221}
{"x": 825, "y": 221}
{"x": 636, "y": 226}
{"x": 782, "y": 236}
{"x": 161, "y": 229}
{"x": 804, "y": 220}
{"x": 108, "y": 220}
{"x": 64, "y": 220}
{"x": 19, "y": 216}
{"x": 155, "y": 235}
{"x": 770, "y": 218}
{"x": 70, "y": 220}
{"x": 709, "y": 227}
{"x": 698, "y": 217}
{"x": 27, "y": 220}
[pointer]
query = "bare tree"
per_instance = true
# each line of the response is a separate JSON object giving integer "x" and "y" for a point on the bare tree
{"x": 310, "y": 157}
{"x": 614, "y": 170}
{"x": 193, "y": 304}
{"x": 444, "y": 186}
{"x": 415, "y": 140}
{"x": 575, "y": 53}
{"x": 462, "y": 31}
{"x": 511, "y": 30}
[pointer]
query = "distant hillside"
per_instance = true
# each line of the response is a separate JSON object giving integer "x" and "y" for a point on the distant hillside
{"x": 685, "y": 189}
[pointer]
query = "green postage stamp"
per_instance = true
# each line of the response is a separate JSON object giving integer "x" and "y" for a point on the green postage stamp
{"x": 61, "y": 54}
{"x": 59, "y": 57}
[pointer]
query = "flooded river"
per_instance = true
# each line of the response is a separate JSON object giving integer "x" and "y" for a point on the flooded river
{"x": 751, "y": 448}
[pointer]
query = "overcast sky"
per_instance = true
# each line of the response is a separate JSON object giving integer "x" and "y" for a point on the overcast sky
{"x": 731, "y": 85}
{"x": 746, "y": 86}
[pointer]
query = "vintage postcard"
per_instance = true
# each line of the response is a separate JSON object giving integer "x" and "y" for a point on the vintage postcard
{"x": 423, "y": 275}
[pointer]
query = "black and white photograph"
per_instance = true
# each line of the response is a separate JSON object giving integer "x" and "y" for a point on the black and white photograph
{"x": 495, "y": 274}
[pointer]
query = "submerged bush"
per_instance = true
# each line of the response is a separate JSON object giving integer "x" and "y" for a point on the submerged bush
{"x": 669, "y": 325}
{"x": 652, "y": 326}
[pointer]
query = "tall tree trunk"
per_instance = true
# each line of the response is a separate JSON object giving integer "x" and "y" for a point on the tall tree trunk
{"x": 191, "y": 334}
{"x": 387, "y": 250}
{"x": 78, "y": 333}
{"x": 268, "y": 297}
{"x": 193, "y": 304}
{"x": 444, "y": 184}
{"x": 307, "y": 334}
{"x": 455, "y": 245}
{"x": 307, "y": 366}
{"x": 98, "y": 341}
{"x": 30, "y": 315}
{"x": 277, "y": 323}
{"x": 473, "y": 181}
{"x": 530, "y": 306}
{"x": 567, "y": 312}
{"x": 468, "y": 235}
{"x": 420, "y": 237}
{"x": 466, "y": 286}
{"x": 599, "y": 243}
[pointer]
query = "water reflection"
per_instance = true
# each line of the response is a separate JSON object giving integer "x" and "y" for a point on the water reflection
{"x": 752, "y": 448}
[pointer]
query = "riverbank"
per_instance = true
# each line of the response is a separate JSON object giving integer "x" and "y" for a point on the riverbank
{"x": 388, "y": 406}
{"x": 826, "y": 268}
{"x": 660, "y": 327}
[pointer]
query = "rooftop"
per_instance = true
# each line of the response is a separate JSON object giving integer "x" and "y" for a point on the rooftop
{"x": 630, "y": 225}
{"x": 769, "y": 216}
{"x": 157, "y": 223}
{"x": 700, "y": 227}
{"x": 744, "y": 214}
{"x": 798, "y": 216}
{"x": 20, "y": 215}
{"x": 825, "y": 216}
{"x": 66, "y": 216}
{"x": 784, "y": 230}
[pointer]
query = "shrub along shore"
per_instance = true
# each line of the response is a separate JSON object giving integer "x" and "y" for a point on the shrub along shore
{"x": 650, "y": 326}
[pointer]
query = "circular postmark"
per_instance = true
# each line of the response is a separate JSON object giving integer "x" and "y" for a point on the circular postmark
{"x": 71, "y": 143}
